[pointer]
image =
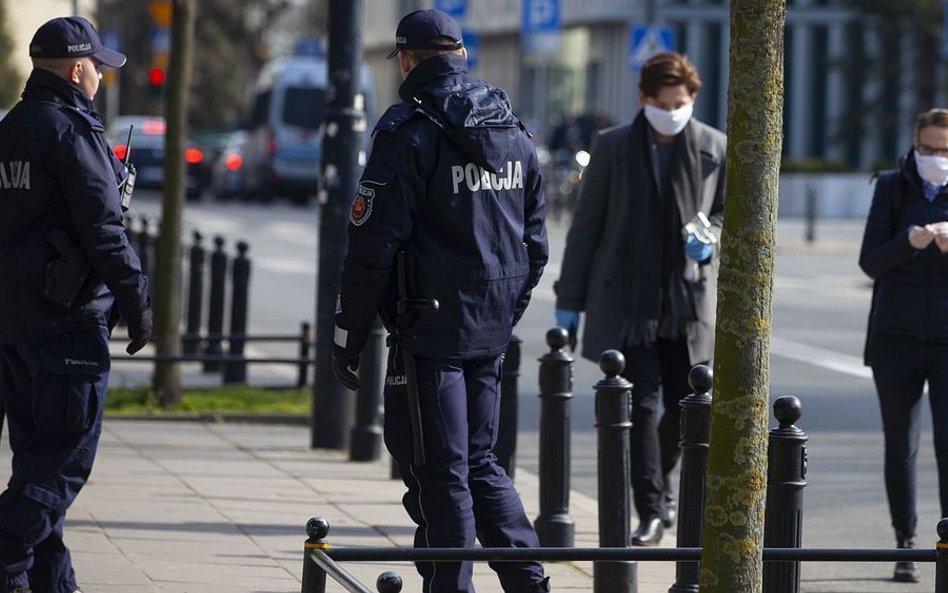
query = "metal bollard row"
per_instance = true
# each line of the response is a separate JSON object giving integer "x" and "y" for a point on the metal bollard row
{"x": 235, "y": 371}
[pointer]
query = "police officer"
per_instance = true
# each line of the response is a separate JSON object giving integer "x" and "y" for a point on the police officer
{"x": 66, "y": 264}
{"x": 454, "y": 183}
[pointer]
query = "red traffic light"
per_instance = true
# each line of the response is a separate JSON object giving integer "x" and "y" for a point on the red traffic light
{"x": 156, "y": 77}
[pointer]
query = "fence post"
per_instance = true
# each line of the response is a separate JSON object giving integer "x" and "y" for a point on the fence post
{"x": 555, "y": 528}
{"x": 365, "y": 440}
{"x": 314, "y": 577}
{"x": 146, "y": 249}
{"x": 306, "y": 340}
{"x": 506, "y": 448}
{"x": 235, "y": 371}
{"x": 786, "y": 478}
{"x": 695, "y": 434}
{"x": 613, "y": 400}
{"x": 190, "y": 341}
{"x": 388, "y": 582}
{"x": 941, "y": 560}
{"x": 215, "y": 311}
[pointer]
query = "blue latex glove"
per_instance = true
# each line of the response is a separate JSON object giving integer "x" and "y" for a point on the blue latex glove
{"x": 698, "y": 251}
{"x": 568, "y": 320}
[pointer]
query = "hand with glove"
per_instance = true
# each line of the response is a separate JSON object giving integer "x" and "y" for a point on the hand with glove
{"x": 568, "y": 320}
{"x": 698, "y": 251}
{"x": 345, "y": 367}
{"x": 140, "y": 332}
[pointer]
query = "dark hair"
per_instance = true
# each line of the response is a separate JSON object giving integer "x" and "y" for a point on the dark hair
{"x": 933, "y": 117}
{"x": 419, "y": 55}
{"x": 668, "y": 69}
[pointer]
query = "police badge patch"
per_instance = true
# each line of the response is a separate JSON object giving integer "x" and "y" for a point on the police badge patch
{"x": 362, "y": 207}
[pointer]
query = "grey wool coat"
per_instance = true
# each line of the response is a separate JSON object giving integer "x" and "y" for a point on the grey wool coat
{"x": 609, "y": 236}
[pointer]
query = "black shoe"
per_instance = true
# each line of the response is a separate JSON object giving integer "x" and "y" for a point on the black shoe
{"x": 669, "y": 512}
{"x": 648, "y": 533}
{"x": 905, "y": 572}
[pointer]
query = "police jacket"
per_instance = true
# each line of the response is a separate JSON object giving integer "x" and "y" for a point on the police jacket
{"x": 454, "y": 180}
{"x": 911, "y": 285}
{"x": 57, "y": 172}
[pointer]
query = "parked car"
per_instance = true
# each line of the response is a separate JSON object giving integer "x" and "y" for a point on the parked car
{"x": 148, "y": 152}
{"x": 228, "y": 174}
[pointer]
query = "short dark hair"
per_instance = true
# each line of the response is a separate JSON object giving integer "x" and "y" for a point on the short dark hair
{"x": 933, "y": 117}
{"x": 419, "y": 55}
{"x": 668, "y": 69}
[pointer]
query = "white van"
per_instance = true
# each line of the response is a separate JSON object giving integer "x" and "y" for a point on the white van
{"x": 284, "y": 145}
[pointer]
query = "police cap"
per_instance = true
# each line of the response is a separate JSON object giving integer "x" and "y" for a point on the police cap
{"x": 72, "y": 37}
{"x": 422, "y": 28}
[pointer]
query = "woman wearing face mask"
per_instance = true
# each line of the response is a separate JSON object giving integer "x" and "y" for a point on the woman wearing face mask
{"x": 641, "y": 261}
{"x": 905, "y": 250}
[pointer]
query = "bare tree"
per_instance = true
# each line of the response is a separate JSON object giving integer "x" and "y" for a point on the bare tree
{"x": 167, "y": 379}
{"x": 732, "y": 536}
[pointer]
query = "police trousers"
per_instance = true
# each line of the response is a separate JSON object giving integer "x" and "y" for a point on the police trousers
{"x": 461, "y": 492}
{"x": 901, "y": 366}
{"x": 54, "y": 394}
{"x": 659, "y": 368}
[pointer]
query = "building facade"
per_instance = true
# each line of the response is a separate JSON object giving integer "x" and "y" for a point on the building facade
{"x": 839, "y": 107}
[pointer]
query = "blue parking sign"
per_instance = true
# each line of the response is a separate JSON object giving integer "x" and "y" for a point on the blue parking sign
{"x": 541, "y": 16}
{"x": 646, "y": 41}
{"x": 455, "y": 8}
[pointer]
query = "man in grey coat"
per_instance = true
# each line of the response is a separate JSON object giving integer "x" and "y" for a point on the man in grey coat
{"x": 641, "y": 260}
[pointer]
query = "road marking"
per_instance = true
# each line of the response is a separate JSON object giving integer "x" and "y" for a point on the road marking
{"x": 820, "y": 357}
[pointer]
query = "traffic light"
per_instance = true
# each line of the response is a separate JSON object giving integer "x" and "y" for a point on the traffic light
{"x": 156, "y": 81}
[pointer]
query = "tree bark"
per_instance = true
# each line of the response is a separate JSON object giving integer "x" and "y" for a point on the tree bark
{"x": 167, "y": 379}
{"x": 732, "y": 533}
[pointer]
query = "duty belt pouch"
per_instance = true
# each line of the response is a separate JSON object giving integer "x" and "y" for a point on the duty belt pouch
{"x": 64, "y": 277}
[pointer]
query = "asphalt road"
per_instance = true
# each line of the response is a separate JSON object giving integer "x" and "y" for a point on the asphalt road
{"x": 821, "y": 300}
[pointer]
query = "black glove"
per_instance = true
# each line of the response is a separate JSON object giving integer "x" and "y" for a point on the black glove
{"x": 140, "y": 332}
{"x": 345, "y": 367}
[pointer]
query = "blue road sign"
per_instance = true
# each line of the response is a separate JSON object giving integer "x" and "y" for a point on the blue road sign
{"x": 456, "y": 8}
{"x": 646, "y": 41}
{"x": 541, "y": 16}
{"x": 472, "y": 42}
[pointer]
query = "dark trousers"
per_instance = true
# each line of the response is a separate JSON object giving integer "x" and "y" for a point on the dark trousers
{"x": 54, "y": 395}
{"x": 461, "y": 492}
{"x": 900, "y": 368}
{"x": 654, "y": 442}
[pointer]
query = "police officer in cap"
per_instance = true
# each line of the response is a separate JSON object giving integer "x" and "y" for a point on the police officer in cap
{"x": 68, "y": 271}
{"x": 454, "y": 184}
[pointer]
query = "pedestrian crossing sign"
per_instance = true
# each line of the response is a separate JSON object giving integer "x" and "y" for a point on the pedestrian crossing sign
{"x": 648, "y": 40}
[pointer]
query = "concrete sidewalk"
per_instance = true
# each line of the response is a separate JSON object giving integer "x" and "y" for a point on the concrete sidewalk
{"x": 184, "y": 507}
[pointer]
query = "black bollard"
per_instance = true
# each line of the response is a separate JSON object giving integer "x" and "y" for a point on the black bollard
{"x": 388, "y": 582}
{"x": 695, "y": 434}
{"x": 941, "y": 559}
{"x": 191, "y": 340}
{"x": 365, "y": 440}
{"x": 554, "y": 526}
{"x": 786, "y": 478}
{"x": 314, "y": 577}
{"x": 613, "y": 400}
{"x": 215, "y": 311}
{"x": 506, "y": 448}
{"x": 810, "y": 214}
{"x": 306, "y": 340}
{"x": 146, "y": 249}
{"x": 235, "y": 371}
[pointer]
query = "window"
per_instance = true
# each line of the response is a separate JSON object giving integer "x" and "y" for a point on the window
{"x": 304, "y": 107}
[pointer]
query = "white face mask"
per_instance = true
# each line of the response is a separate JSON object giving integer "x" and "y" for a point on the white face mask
{"x": 932, "y": 168}
{"x": 669, "y": 123}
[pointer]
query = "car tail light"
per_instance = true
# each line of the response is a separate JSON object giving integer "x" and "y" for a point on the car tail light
{"x": 120, "y": 151}
{"x": 234, "y": 161}
{"x": 193, "y": 156}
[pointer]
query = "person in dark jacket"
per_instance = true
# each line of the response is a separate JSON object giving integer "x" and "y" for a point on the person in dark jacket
{"x": 454, "y": 183}
{"x": 641, "y": 261}
{"x": 905, "y": 250}
{"x": 66, "y": 265}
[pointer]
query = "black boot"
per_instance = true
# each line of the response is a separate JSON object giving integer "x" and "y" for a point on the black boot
{"x": 905, "y": 572}
{"x": 669, "y": 511}
{"x": 648, "y": 533}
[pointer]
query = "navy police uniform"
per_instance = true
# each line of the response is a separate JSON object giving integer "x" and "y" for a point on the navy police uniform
{"x": 56, "y": 173}
{"x": 454, "y": 181}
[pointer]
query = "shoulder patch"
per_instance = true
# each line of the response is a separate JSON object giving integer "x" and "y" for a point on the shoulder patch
{"x": 374, "y": 180}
